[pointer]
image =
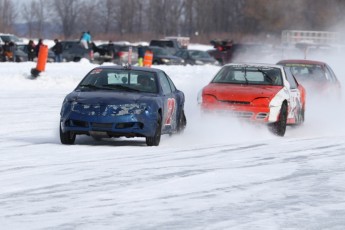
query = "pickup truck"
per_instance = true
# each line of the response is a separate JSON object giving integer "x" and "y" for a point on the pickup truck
{"x": 173, "y": 45}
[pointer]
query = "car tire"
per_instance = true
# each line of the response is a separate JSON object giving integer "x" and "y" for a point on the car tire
{"x": 156, "y": 138}
{"x": 67, "y": 138}
{"x": 76, "y": 59}
{"x": 182, "y": 122}
{"x": 278, "y": 128}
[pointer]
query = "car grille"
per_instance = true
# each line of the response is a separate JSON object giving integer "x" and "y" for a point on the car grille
{"x": 241, "y": 114}
{"x": 102, "y": 125}
{"x": 77, "y": 123}
{"x": 261, "y": 116}
{"x": 108, "y": 110}
{"x": 236, "y": 102}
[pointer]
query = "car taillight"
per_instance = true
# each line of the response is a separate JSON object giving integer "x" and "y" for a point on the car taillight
{"x": 121, "y": 54}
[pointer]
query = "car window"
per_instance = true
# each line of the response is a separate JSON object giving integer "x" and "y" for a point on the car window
{"x": 290, "y": 78}
{"x": 182, "y": 53}
{"x": 160, "y": 52}
{"x": 172, "y": 85}
{"x": 162, "y": 43}
{"x": 120, "y": 80}
{"x": 330, "y": 74}
{"x": 307, "y": 72}
{"x": 164, "y": 83}
{"x": 198, "y": 54}
{"x": 249, "y": 75}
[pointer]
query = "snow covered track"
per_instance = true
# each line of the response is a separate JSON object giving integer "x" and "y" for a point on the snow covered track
{"x": 219, "y": 174}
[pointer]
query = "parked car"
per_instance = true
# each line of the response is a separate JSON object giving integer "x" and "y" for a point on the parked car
{"x": 172, "y": 45}
{"x": 264, "y": 93}
{"x": 118, "y": 55}
{"x": 116, "y": 101}
{"x": 74, "y": 51}
{"x": 196, "y": 57}
{"x": 162, "y": 56}
{"x": 10, "y": 38}
{"x": 318, "y": 77}
{"x": 24, "y": 49}
{"x": 18, "y": 55}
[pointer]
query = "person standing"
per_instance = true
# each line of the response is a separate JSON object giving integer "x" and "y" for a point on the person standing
{"x": 141, "y": 54}
{"x": 85, "y": 39}
{"x": 5, "y": 51}
{"x": 31, "y": 50}
{"x": 57, "y": 49}
{"x": 111, "y": 49}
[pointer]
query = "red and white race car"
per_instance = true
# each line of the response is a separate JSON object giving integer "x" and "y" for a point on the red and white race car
{"x": 258, "y": 92}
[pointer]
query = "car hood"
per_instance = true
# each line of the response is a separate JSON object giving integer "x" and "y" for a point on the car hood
{"x": 109, "y": 97}
{"x": 243, "y": 93}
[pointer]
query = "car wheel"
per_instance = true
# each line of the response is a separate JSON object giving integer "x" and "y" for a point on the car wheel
{"x": 156, "y": 138}
{"x": 278, "y": 128}
{"x": 76, "y": 59}
{"x": 67, "y": 138}
{"x": 302, "y": 115}
{"x": 182, "y": 122}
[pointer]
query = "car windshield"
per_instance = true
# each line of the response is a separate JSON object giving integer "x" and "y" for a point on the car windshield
{"x": 8, "y": 38}
{"x": 160, "y": 52}
{"x": 119, "y": 80}
{"x": 249, "y": 75}
{"x": 308, "y": 72}
{"x": 198, "y": 54}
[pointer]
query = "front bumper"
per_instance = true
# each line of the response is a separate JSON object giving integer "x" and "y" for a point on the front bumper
{"x": 246, "y": 112}
{"x": 129, "y": 125}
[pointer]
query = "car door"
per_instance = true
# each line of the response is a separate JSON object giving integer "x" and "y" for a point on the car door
{"x": 170, "y": 103}
{"x": 295, "y": 103}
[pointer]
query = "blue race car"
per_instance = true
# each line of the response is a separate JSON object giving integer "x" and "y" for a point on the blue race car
{"x": 123, "y": 101}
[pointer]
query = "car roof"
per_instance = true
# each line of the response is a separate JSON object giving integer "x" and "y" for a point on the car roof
{"x": 146, "y": 69}
{"x": 301, "y": 61}
{"x": 70, "y": 41}
{"x": 263, "y": 65}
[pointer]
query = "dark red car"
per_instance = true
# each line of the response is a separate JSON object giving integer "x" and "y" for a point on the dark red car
{"x": 316, "y": 76}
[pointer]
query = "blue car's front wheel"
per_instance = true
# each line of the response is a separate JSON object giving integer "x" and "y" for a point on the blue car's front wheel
{"x": 67, "y": 138}
{"x": 156, "y": 138}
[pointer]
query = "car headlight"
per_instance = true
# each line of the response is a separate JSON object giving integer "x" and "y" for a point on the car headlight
{"x": 261, "y": 102}
{"x": 165, "y": 60}
{"x": 208, "y": 98}
{"x": 198, "y": 62}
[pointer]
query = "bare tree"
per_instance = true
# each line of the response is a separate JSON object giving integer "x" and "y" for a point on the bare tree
{"x": 88, "y": 19}
{"x": 68, "y": 11}
{"x": 204, "y": 17}
{"x": 34, "y": 14}
{"x": 125, "y": 14}
{"x": 8, "y": 15}
{"x": 164, "y": 16}
{"x": 210, "y": 18}
{"x": 106, "y": 15}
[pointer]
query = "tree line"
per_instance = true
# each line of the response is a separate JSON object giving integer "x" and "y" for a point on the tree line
{"x": 201, "y": 20}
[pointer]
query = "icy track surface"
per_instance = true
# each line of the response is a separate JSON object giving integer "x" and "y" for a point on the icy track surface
{"x": 219, "y": 174}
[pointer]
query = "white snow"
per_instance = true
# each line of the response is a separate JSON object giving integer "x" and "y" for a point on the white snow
{"x": 219, "y": 174}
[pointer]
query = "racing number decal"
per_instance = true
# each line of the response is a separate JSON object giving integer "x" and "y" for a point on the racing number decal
{"x": 170, "y": 112}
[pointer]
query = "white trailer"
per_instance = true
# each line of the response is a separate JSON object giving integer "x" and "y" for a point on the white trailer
{"x": 291, "y": 37}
